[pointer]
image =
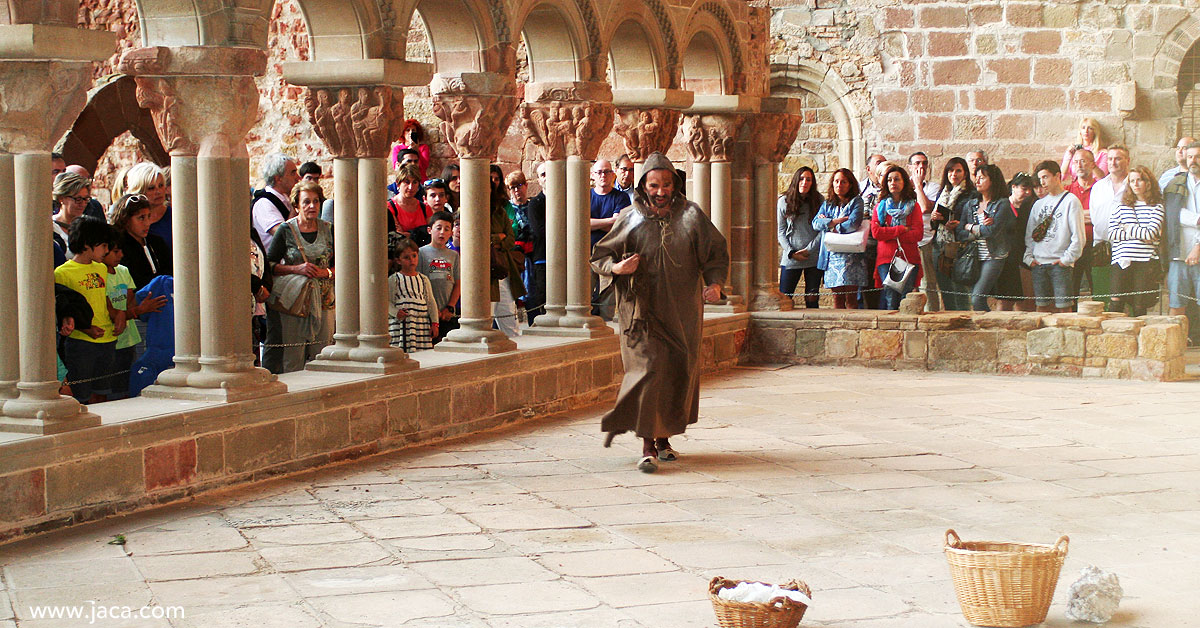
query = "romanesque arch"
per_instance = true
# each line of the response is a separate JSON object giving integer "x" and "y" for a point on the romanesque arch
{"x": 462, "y": 37}
{"x": 824, "y": 83}
{"x": 712, "y": 36}
{"x": 706, "y": 63}
{"x": 636, "y": 57}
{"x": 111, "y": 110}
{"x": 557, "y": 42}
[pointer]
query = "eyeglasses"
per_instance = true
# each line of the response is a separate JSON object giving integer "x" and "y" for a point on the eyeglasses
{"x": 604, "y": 172}
{"x": 433, "y": 182}
{"x": 80, "y": 199}
{"x": 136, "y": 198}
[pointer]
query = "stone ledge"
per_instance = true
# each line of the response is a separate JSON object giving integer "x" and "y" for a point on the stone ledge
{"x": 155, "y": 451}
{"x": 1103, "y": 345}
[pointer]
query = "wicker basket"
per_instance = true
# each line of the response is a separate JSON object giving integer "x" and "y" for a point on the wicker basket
{"x": 781, "y": 612}
{"x": 1004, "y": 584}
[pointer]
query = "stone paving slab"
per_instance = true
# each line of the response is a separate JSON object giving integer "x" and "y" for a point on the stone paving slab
{"x": 844, "y": 477}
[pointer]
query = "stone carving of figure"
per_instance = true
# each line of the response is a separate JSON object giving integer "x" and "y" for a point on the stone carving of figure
{"x": 358, "y": 118}
{"x": 696, "y": 145}
{"x": 342, "y": 121}
{"x": 321, "y": 114}
{"x": 647, "y": 130}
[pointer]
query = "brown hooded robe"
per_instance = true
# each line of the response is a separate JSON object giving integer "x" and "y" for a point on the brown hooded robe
{"x": 660, "y": 308}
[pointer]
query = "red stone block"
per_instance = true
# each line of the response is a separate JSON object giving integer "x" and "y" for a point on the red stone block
{"x": 947, "y": 44}
{"x": 1038, "y": 98}
{"x": 1052, "y": 72}
{"x": 957, "y": 72}
{"x": 970, "y": 127}
{"x": 1025, "y": 15}
{"x": 908, "y": 73}
{"x": 986, "y": 14}
{"x": 1010, "y": 70}
{"x": 933, "y": 127}
{"x": 1014, "y": 127}
{"x": 23, "y": 495}
{"x": 1041, "y": 43}
{"x": 933, "y": 100}
{"x": 167, "y": 465}
{"x": 891, "y": 100}
{"x": 943, "y": 17}
{"x": 1092, "y": 100}
{"x": 991, "y": 99}
{"x": 897, "y": 18}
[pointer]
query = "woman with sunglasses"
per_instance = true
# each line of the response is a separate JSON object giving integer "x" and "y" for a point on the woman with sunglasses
{"x": 146, "y": 255}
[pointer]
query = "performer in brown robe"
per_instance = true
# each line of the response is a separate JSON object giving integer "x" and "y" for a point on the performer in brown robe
{"x": 655, "y": 256}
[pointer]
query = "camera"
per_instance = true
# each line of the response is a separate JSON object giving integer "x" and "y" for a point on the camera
{"x": 1077, "y": 147}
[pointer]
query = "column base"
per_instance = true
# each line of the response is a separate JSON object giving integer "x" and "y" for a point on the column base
{"x": 380, "y": 367}
{"x": 582, "y": 320}
{"x": 39, "y": 409}
{"x": 44, "y": 427}
{"x": 568, "y": 332}
{"x": 221, "y": 386}
{"x": 770, "y": 300}
{"x": 342, "y": 345}
{"x": 374, "y": 349}
{"x": 731, "y": 304}
{"x": 463, "y": 340}
{"x": 185, "y": 367}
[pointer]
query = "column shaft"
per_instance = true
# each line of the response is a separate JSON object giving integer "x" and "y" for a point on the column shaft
{"x": 185, "y": 252}
{"x": 38, "y": 407}
{"x": 215, "y": 231}
{"x": 766, "y": 255}
{"x": 579, "y": 251}
{"x": 701, "y": 186}
{"x": 556, "y": 245}
{"x": 10, "y": 354}
{"x": 721, "y": 215}
{"x": 345, "y": 259}
{"x": 475, "y": 333}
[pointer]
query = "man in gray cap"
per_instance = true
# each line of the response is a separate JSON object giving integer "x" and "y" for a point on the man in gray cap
{"x": 655, "y": 257}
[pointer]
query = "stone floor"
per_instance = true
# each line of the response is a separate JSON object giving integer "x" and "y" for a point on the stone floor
{"x": 844, "y": 477}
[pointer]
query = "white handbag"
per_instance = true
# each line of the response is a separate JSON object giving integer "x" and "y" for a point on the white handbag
{"x": 901, "y": 273}
{"x": 855, "y": 242}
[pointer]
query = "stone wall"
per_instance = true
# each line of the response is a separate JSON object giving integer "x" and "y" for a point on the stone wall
{"x": 1012, "y": 77}
{"x": 1108, "y": 345}
{"x": 53, "y": 481}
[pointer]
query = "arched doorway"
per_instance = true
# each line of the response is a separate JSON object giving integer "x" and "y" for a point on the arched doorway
{"x": 830, "y": 135}
{"x": 1189, "y": 93}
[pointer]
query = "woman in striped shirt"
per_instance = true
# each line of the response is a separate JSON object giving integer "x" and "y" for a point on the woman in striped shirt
{"x": 1135, "y": 232}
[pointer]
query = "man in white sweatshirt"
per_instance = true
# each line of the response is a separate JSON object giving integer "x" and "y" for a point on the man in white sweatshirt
{"x": 1054, "y": 240}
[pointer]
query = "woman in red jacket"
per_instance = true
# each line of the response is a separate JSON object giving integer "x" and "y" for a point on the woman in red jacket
{"x": 898, "y": 229}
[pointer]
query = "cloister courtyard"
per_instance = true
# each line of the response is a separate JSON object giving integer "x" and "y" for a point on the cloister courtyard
{"x": 844, "y": 477}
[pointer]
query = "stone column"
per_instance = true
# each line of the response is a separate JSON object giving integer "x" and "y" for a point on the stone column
{"x": 357, "y": 124}
{"x": 28, "y": 128}
{"x": 561, "y": 119}
{"x": 710, "y": 140}
{"x": 10, "y": 352}
{"x": 773, "y": 136}
{"x": 475, "y": 110}
{"x": 204, "y": 100}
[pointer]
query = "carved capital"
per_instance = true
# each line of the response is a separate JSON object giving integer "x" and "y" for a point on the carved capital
{"x": 473, "y": 123}
{"x": 39, "y": 100}
{"x": 547, "y": 125}
{"x": 710, "y": 137}
{"x": 356, "y": 121}
{"x": 646, "y": 130}
{"x": 773, "y": 134}
{"x": 200, "y": 115}
{"x": 592, "y": 122}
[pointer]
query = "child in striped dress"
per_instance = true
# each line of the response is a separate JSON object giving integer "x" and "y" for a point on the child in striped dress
{"x": 413, "y": 313}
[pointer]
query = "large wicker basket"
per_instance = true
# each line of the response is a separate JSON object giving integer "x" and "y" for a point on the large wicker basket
{"x": 781, "y": 612}
{"x": 1004, "y": 584}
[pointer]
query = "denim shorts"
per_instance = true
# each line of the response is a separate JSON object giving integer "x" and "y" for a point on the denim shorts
{"x": 1052, "y": 285}
{"x": 1183, "y": 281}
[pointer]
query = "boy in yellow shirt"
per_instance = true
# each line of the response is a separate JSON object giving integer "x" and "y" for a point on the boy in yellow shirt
{"x": 88, "y": 353}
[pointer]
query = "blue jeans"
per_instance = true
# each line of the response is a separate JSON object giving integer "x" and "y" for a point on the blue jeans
{"x": 889, "y": 299}
{"x": 1052, "y": 285}
{"x": 989, "y": 272}
{"x": 789, "y": 278}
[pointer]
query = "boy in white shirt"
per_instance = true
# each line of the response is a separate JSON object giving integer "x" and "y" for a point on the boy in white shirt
{"x": 1054, "y": 239}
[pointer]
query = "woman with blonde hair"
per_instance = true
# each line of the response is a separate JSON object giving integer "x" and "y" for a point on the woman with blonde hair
{"x": 147, "y": 179}
{"x": 1089, "y": 138}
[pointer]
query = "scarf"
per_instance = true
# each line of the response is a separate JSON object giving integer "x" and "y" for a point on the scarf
{"x": 898, "y": 211}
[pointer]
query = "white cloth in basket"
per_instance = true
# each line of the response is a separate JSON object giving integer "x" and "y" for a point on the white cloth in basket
{"x": 759, "y": 593}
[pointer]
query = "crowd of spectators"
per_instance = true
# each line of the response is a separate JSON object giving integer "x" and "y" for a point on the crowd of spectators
{"x": 1088, "y": 224}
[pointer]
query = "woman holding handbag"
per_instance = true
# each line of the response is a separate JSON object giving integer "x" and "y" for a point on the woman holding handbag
{"x": 300, "y": 308}
{"x": 842, "y": 213}
{"x": 897, "y": 226}
{"x": 956, "y": 189}
{"x": 798, "y": 239}
{"x": 984, "y": 226}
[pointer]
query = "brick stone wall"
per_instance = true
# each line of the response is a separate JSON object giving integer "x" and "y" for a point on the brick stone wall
{"x": 1012, "y": 77}
{"x": 1108, "y": 345}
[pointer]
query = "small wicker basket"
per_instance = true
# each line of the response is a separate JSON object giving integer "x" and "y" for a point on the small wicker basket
{"x": 781, "y": 612}
{"x": 1004, "y": 584}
